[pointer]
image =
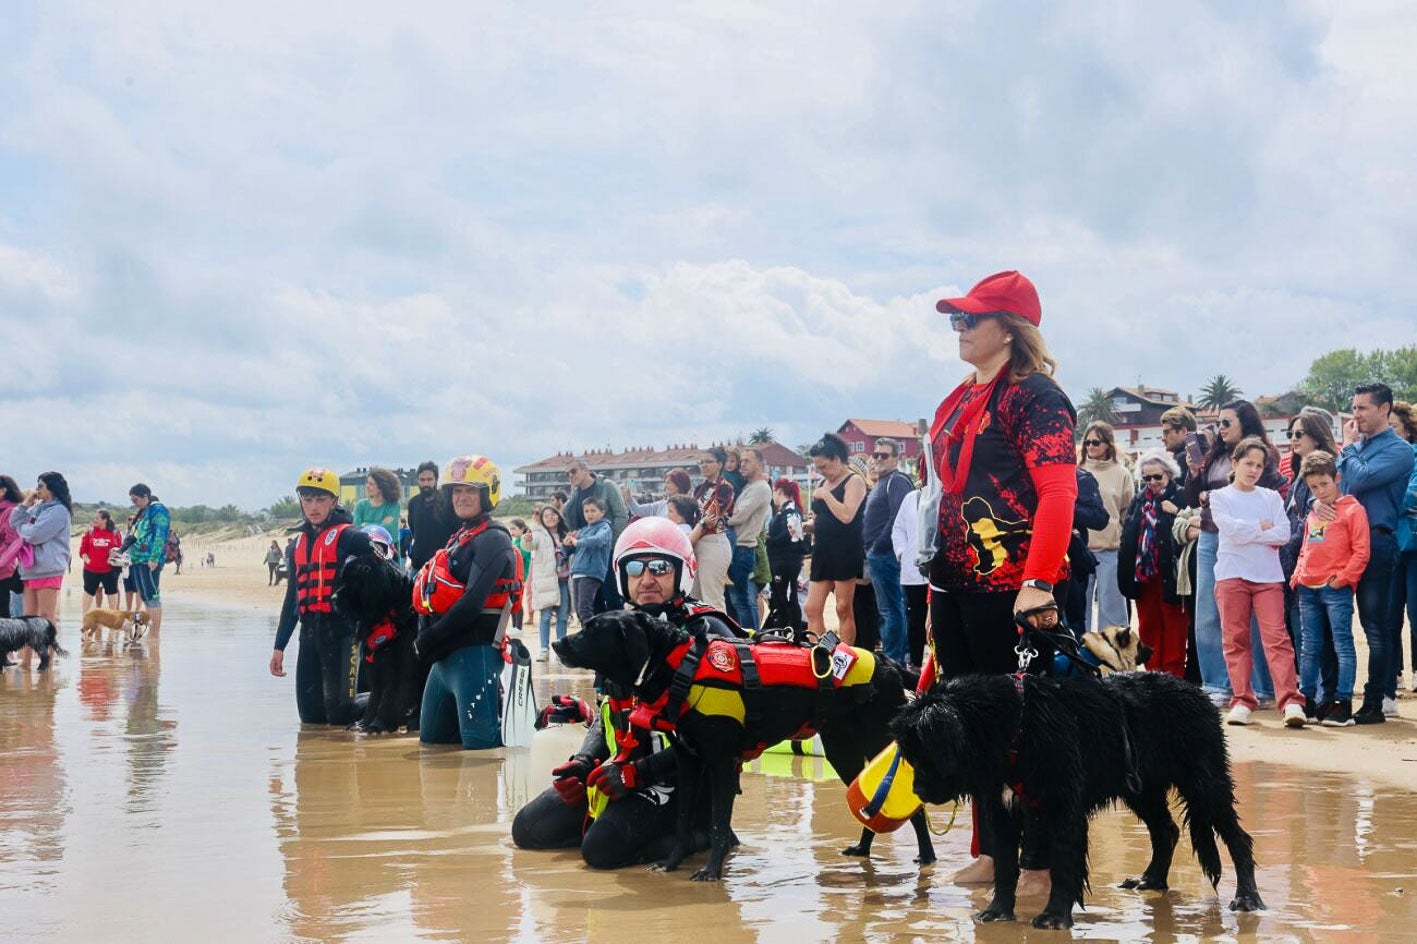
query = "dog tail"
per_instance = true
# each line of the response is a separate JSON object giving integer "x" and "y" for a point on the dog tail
{"x": 1202, "y": 830}
{"x": 51, "y": 638}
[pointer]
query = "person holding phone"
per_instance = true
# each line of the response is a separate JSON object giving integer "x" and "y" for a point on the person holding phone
{"x": 1183, "y": 441}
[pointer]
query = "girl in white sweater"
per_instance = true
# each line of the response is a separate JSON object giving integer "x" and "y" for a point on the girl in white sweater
{"x": 1249, "y": 581}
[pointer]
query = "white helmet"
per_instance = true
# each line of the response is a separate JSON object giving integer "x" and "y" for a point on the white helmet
{"x": 659, "y": 537}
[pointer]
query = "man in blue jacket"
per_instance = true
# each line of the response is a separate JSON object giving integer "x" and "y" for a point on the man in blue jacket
{"x": 1374, "y": 465}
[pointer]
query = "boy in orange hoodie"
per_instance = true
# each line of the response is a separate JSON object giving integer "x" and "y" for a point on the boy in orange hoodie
{"x": 1331, "y": 561}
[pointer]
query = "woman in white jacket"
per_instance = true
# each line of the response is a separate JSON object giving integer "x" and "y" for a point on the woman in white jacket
{"x": 1099, "y": 456}
{"x": 905, "y": 537}
{"x": 550, "y": 575}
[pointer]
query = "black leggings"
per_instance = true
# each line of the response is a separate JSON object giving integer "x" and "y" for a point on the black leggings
{"x": 868, "y": 617}
{"x": 783, "y": 605}
{"x": 326, "y": 670}
{"x": 917, "y": 608}
{"x": 271, "y": 582}
{"x": 630, "y": 831}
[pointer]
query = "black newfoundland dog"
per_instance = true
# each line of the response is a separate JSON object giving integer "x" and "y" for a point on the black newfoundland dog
{"x": 377, "y": 597}
{"x": 631, "y": 648}
{"x": 34, "y": 631}
{"x": 1064, "y": 749}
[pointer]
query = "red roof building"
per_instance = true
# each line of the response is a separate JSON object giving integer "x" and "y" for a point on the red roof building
{"x": 861, "y": 435}
{"x": 643, "y": 468}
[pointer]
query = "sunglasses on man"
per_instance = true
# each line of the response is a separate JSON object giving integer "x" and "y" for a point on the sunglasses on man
{"x": 656, "y": 567}
{"x": 882, "y": 455}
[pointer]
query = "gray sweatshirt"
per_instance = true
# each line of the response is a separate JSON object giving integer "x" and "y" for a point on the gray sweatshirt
{"x": 45, "y": 527}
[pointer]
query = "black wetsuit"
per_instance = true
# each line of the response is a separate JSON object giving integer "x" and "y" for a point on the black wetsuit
{"x": 639, "y": 828}
{"x": 460, "y": 699}
{"x": 327, "y": 666}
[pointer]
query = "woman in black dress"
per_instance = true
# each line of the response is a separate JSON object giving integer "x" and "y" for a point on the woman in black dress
{"x": 838, "y": 553}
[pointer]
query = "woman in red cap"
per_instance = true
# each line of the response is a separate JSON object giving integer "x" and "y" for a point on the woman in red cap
{"x": 1003, "y": 447}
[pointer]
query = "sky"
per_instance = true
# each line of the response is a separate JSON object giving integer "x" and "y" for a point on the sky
{"x": 238, "y": 240}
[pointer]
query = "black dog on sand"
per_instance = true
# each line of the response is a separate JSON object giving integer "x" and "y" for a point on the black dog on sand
{"x": 34, "y": 631}
{"x": 377, "y": 597}
{"x": 634, "y": 649}
{"x": 1067, "y": 748}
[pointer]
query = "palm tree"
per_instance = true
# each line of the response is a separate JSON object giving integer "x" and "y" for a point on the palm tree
{"x": 760, "y": 436}
{"x": 1218, "y": 391}
{"x": 1097, "y": 406}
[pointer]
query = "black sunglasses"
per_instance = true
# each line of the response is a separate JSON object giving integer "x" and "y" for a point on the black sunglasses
{"x": 882, "y": 455}
{"x": 1296, "y": 434}
{"x": 655, "y": 566}
{"x": 1154, "y": 477}
{"x": 964, "y": 320}
{"x": 1092, "y": 442}
{"x": 1226, "y": 423}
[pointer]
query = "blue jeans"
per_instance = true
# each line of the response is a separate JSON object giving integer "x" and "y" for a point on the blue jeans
{"x": 562, "y": 614}
{"x": 742, "y": 604}
{"x": 1373, "y": 606}
{"x": 1215, "y": 678}
{"x": 1404, "y": 593}
{"x": 1102, "y": 587}
{"x": 890, "y": 603}
{"x": 1316, "y": 603}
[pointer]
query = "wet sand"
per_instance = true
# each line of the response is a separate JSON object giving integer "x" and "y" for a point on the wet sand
{"x": 166, "y": 791}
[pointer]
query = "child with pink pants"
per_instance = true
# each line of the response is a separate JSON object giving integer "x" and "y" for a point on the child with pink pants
{"x": 1249, "y": 581}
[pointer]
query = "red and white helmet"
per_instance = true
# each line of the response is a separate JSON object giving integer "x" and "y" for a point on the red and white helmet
{"x": 659, "y": 537}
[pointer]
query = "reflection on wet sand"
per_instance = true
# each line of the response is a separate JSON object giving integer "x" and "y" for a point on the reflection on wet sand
{"x": 181, "y": 772}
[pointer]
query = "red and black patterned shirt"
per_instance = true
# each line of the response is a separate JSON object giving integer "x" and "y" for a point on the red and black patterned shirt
{"x": 715, "y": 498}
{"x": 985, "y": 528}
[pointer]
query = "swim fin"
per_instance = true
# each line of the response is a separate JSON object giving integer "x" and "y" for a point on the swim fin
{"x": 518, "y": 699}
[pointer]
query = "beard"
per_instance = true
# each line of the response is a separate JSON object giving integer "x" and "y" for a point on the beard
{"x": 427, "y": 490}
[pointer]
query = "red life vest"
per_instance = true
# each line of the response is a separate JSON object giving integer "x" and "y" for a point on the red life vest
{"x": 435, "y": 589}
{"x": 315, "y": 573}
{"x": 382, "y": 633}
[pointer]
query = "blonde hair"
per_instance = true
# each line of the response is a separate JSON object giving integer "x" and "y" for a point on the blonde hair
{"x": 1028, "y": 352}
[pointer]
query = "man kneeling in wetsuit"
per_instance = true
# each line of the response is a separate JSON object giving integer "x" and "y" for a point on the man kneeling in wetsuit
{"x": 327, "y": 667}
{"x": 631, "y": 806}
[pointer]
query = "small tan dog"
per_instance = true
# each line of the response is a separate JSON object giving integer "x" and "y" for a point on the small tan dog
{"x": 135, "y": 624}
{"x": 1117, "y": 648}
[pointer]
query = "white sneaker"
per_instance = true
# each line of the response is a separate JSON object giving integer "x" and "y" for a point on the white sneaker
{"x": 1239, "y": 714}
{"x": 545, "y": 656}
{"x": 1294, "y": 715}
{"x": 1218, "y": 699}
{"x": 1389, "y": 707}
{"x": 1413, "y": 685}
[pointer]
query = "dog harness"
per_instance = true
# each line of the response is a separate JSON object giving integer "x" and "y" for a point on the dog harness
{"x": 722, "y": 677}
{"x": 435, "y": 589}
{"x": 315, "y": 569}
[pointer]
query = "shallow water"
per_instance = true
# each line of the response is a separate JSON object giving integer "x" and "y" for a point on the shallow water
{"x": 162, "y": 792}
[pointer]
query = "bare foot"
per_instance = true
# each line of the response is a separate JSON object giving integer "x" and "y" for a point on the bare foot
{"x": 978, "y": 872}
{"x": 1034, "y": 882}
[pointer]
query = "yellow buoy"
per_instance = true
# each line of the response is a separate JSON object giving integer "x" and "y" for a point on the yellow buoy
{"x": 883, "y": 796}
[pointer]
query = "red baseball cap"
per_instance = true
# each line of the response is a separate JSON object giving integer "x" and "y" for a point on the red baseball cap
{"x": 1003, "y": 291}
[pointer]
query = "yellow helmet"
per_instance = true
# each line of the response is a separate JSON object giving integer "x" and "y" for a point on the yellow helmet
{"x": 475, "y": 470}
{"x": 322, "y": 479}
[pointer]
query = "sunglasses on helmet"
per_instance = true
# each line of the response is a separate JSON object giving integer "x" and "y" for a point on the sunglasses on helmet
{"x": 655, "y": 566}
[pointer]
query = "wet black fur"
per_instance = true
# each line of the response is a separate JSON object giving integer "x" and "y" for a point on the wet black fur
{"x": 369, "y": 587}
{"x": 853, "y": 723}
{"x": 34, "y": 631}
{"x": 1070, "y": 736}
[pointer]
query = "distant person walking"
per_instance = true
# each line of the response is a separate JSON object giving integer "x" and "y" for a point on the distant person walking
{"x": 273, "y": 556}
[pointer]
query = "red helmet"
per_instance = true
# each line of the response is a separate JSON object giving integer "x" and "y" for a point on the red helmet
{"x": 662, "y": 538}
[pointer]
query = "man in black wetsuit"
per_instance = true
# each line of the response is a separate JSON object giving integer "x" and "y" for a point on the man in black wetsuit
{"x": 327, "y": 667}
{"x": 623, "y": 813}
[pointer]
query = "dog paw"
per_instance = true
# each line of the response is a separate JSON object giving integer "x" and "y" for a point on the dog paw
{"x": 1247, "y": 901}
{"x": 925, "y": 858}
{"x": 857, "y": 850}
{"x": 706, "y": 874}
{"x": 993, "y": 913}
{"x": 1143, "y": 883}
{"x": 1053, "y": 921}
{"x": 665, "y": 865}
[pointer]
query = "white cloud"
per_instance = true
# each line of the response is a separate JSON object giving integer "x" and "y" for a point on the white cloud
{"x": 237, "y": 240}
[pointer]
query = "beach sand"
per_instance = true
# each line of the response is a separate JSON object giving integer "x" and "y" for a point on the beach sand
{"x": 1385, "y": 753}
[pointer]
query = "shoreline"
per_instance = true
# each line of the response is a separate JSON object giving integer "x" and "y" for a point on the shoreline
{"x": 1385, "y": 754}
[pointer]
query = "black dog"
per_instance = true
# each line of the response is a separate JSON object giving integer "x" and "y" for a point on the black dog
{"x": 34, "y": 631}
{"x": 1067, "y": 748}
{"x": 377, "y": 597}
{"x": 632, "y": 648}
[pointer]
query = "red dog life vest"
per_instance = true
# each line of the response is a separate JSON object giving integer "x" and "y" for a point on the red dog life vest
{"x": 435, "y": 589}
{"x": 315, "y": 570}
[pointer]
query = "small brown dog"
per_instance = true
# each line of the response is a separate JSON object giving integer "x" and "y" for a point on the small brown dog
{"x": 1117, "y": 648}
{"x": 134, "y": 623}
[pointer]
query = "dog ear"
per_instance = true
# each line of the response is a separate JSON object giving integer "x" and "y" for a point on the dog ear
{"x": 1124, "y": 637}
{"x": 1144, "y": 653}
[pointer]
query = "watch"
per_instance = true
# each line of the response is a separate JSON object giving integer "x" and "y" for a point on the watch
{"x": 1036, "y": 584}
